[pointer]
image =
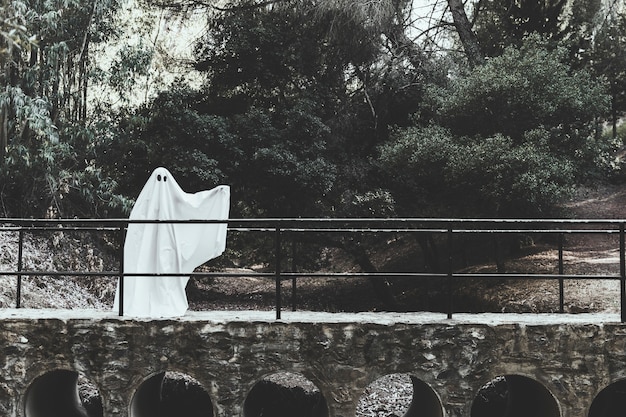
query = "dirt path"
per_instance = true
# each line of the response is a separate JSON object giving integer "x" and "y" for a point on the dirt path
{"x": 584, "y": 254}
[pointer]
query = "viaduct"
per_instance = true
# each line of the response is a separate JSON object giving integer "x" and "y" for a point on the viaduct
{"x": 552, "y": 365}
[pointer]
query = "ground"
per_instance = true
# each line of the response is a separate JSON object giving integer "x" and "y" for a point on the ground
{"x": 583, "y": 254}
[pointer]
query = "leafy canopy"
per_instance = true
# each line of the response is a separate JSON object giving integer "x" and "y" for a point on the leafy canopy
{"x": 524, "y": 89}
{"x": 511, "y": 136}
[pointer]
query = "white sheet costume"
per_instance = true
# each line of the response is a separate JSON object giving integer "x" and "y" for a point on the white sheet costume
{"x": 167, "y": 247}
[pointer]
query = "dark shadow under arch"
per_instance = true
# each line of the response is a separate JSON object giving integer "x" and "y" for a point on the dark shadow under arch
{"x": 610, "y": 402}
{"x": 62, "y": 393}
{"x": 171, "y": 394}
{"x": 425, "y": 401}
{"x": 514, "y": 396}
{"x": 285, "y": 394}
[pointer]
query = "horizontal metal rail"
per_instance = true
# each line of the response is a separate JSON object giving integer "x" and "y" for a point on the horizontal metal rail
{"x": 283, "y": 274}
{"x": 279, "y": 227}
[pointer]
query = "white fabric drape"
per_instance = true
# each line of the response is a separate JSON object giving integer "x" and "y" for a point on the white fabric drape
{"x": 167, "y": 247}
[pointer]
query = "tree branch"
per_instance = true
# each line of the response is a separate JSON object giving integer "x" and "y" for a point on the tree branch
{"x": 466, "y": 35}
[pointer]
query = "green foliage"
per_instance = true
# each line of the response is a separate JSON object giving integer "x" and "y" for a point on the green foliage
{"x": 370, "y": 204}
{"x": 436, "y": 173}
{"x": 514, "y": 135}
{"x": 60, "y": 180}
{"x": 609, "y": 60}
{"x": 130, "y": 63}
{"x": 501, "y": 23}
{"x": 521, "y": 90}
{"x": 46, "y": 168}
{"x": 31, "y": 115}
{"x": 284, "y": 150}
{"x": 297, "y": 98}
{"x": 14, "y": 36}
{"x": 168, "y": 132}
{"x": 621, "y": 133}
{"x": 281, "y": 76}
{"x": 269, "y": 56}
{"x": 495, "y": 177}
{"x": 273, "y": 160}
{"x": 524, "y": 90}
{"x": 414, "y": 161}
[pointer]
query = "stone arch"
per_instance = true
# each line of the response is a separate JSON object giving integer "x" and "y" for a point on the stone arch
{"x": 408, "y": 396}
{"x": 610, "y": 402}
{"x": 62, "y": 392}
{"x": 514, "y": 396}
{"x": 171, "y": 394}
{"x": 285, "y": 394}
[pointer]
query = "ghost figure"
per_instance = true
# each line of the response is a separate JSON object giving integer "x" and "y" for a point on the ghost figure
{"x": 169, "y": 247}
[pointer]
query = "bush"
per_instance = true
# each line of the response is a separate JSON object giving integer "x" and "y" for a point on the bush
{"x": 437, "y": 173}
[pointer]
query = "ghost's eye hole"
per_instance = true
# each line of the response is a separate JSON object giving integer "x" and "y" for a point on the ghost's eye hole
{"x": 159, "y": 177}
{"x": 164, "y": 178}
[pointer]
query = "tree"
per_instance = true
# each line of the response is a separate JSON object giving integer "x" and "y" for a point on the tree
{"x": 18, "y": 110}
{"x": 512, "y": 135}
{"x": 474, "y": 177}
{"x": 467, "y": 36}
{"x": 302, "y": 105}
{"x": 570, "y": 24}
{"x": 609, "y": 60}
{"x": 525, "y": 88}
{"x": 45, "y": 63}
{"x": 514, "y": 21}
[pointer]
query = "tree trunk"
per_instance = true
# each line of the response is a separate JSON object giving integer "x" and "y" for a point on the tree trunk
{"x": 614, "y": 115}
{"x": 466, "y": 35}
{"x": 499, "y": 258}
{"x": 430, "y": 251}
{"x": 8, "y": 69}
{"x": 397, "y": 34}
{"x": 380, "y": 285}
{"x": 4, "y": 130}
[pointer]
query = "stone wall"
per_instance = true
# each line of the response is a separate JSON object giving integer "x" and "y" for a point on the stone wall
{"x": 572, "y": 358}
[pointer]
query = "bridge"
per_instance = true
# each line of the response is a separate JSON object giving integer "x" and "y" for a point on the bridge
{"x": 554, "y": 365}
{"x": 89, "y": 363}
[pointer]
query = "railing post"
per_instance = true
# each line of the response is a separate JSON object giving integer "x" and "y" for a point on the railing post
{"x": 561, "y": 281}
{"x": 622, "y": 271}
{"x": 278, "y": 260}
{"x": 293, "y": 269}
{"x": 121, "y": 277}
{"x": 449, "y": 278}
{"x": 20, "y": 253}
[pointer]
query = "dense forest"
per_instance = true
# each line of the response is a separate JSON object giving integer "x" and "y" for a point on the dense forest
{"x": 312, "y": 108}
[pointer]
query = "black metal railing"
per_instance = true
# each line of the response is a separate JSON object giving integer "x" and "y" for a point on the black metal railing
{"x": 447, "y": 230}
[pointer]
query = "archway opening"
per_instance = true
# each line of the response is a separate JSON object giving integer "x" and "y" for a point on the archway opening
{"x": 171, "y": 394}
{"x": 514, "y": 396}
{"x": 62, "y": 393}
{"x": 610, "y": 402}
{"x": 285, "y": 394}
{"x": 399, "y": 395}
